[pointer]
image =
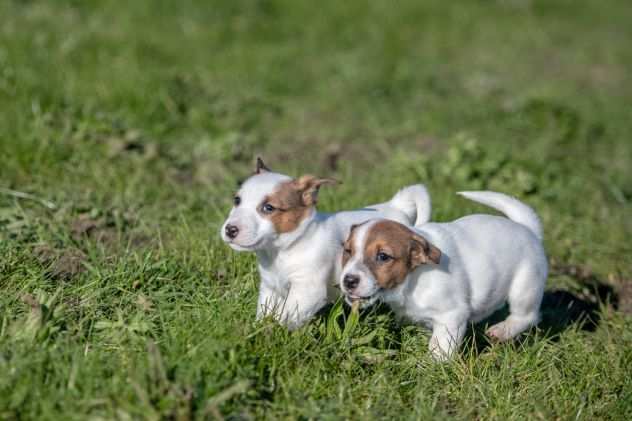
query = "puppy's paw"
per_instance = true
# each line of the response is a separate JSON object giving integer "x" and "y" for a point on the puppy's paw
{"x": 500, "y": 332}
{"x": 438, "y": 353}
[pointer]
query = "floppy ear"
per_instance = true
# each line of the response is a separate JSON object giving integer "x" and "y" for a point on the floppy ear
{"x": 422, "y": 252}
{"x": 308, "y": 186}
{"x": 261, "y": 167}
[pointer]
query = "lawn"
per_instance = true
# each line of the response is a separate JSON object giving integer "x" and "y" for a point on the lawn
{"x": 126, "y": 126}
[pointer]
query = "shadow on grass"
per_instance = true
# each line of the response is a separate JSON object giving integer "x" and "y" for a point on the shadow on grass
{"x": 562, "y": 308}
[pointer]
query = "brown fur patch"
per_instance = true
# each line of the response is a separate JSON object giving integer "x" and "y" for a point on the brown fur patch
{"x": 348, "y": 246}
{"x": 293, "y": 202}
{"x": 290, "y": 209}
{"x": 406, "y": 249}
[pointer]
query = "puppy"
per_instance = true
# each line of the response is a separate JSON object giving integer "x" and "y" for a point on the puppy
{"x": 298, "y": 248}
{"x": 445, "y": 275}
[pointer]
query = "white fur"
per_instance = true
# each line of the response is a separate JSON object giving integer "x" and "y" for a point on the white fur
{"x": 486, "y": 261}
{"x": 299, "y": 269}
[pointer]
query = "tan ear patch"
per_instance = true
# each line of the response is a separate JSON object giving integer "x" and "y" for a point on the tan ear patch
{"x": 406, "y": 251}
{"x": 422, "y": 252}
{"x": 309, "y": 185}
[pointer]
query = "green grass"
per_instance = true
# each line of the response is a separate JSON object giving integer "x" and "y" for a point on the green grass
{"x": 136, "y": 119}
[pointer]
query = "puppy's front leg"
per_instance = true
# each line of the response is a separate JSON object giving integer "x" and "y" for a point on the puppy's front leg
{"x": 446, "y": 338}
{"x": 270, "y": 302}
{"x": 303, "y": 302}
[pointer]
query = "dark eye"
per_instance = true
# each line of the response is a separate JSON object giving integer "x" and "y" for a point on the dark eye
{"x": 236, "y": 200}
{"x": 382, "y": 257}
{"x": 347, "y": 251}
{"x": 268, "y": 208}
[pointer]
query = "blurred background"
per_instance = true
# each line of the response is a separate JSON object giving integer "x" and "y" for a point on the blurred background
{"x": 164, "y": 105}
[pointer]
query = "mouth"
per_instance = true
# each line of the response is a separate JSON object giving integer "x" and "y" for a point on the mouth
{"x": 243, "y": 247}
{"x": 352, "y": 298}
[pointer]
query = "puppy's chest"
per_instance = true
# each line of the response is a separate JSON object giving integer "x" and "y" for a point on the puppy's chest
{"x": 414, "y": 313}
{"x": 282, "y": 273}
{"x": 412, "y": 308}
{"x": 274, "y": 278}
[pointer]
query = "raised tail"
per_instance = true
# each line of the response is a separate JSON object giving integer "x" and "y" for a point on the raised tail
{"x": 511, "y": 207}
{"x": 414, "y": 201}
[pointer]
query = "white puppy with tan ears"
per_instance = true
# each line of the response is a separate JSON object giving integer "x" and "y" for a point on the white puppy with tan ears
{"x": 298, "y": 248}
{"x": 445, "y": 275}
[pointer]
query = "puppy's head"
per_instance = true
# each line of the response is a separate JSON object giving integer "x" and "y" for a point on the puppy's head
{"x": 269, "y": 205}
{"x": 378, "y": 256}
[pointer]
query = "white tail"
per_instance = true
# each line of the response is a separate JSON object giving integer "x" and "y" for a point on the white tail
{"x": 414, "y": 201}
{"x": 511, "y": 207}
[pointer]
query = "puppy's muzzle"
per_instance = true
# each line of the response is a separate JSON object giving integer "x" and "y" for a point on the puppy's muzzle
{"x": 231, "y": 231}
{"x": 350, "y": 281}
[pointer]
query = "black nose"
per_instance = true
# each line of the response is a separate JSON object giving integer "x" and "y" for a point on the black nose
{"x": 351, "y": 281}
{"x": 231, "y": 231}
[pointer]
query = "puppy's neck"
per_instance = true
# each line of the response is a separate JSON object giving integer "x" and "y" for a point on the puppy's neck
{"x": 396, "y": 296}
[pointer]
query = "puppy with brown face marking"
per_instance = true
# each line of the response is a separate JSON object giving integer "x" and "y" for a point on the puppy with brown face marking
{"x": 299, "y": 248}
{"x": 446, "y": 275}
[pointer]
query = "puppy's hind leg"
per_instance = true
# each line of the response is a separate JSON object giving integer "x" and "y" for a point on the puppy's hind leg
{"x": 525, "y": 297}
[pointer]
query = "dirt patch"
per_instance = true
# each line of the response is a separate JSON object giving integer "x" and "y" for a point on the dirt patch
{"x": 85, "y": 225}
{"x": 44, "y": 253}
{"x": 362, "y": 149}
{"x": 625, "y": 296}
{"x": 581, "y": 273}
{"x": 182, "y": 175}
{"x": 616, "y": 291}
{"x": 96, "y": 229}
{"x": 131, "y": 142}
{"x": 32, "y": 302}
{"x": 144, "y": 303}
{"x": 623, "y": 286}
{"x": 333, "y": 153}
{"x": 110, "y": 229}
{"x": 61, "y": 264}
{"x": 139, "y": 240}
